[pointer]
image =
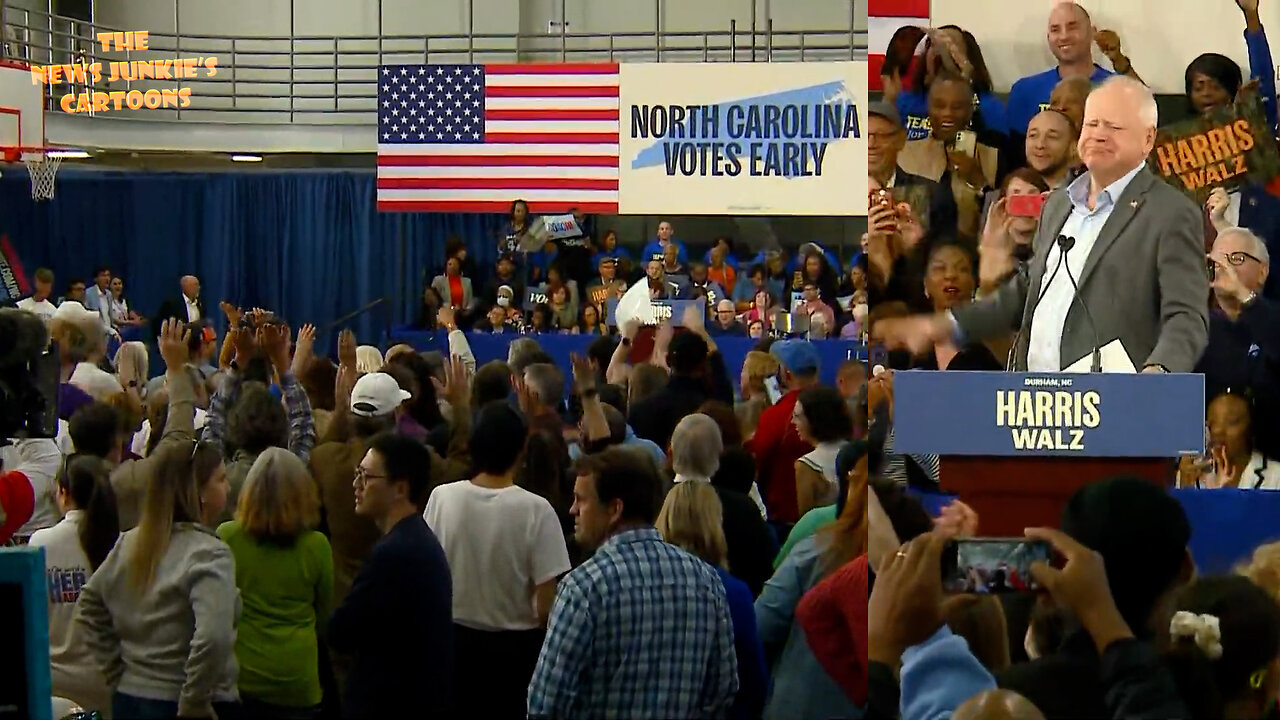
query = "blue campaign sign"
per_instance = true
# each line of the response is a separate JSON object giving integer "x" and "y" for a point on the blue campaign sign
{"x": 1060, "y": 414}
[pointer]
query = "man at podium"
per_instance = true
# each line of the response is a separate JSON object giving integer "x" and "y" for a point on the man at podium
{"x": 1117, "y": 281}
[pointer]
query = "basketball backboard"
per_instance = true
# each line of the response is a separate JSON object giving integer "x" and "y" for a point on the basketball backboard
{"x": 21, "y": 108}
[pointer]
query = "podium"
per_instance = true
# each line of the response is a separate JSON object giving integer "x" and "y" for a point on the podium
{"x": 1016, "y": 446}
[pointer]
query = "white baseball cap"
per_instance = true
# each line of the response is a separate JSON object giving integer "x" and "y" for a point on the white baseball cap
{"x": 73, "y": 312}
{"x": 377, "y": 394}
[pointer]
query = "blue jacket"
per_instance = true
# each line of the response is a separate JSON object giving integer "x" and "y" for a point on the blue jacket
{"x": 939, "y": 675}
{"x": 802, "y": 689}
{"x": 753, "y": 676}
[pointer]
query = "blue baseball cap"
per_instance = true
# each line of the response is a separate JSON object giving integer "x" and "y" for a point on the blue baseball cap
{"x": 798, "y": 356}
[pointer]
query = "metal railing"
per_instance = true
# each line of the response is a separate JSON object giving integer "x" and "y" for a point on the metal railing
{"x": 333, "y": 80}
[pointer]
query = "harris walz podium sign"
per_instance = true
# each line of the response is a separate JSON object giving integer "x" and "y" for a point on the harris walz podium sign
{"x": 1048, "y": 414}
{"x": 1226, "y": 148}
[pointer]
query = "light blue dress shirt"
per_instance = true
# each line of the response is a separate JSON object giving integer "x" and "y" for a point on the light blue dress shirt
{"x": 1044, "y": 351}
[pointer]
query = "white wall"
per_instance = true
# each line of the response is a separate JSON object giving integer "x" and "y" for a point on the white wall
{"x": 1160, "y": 36}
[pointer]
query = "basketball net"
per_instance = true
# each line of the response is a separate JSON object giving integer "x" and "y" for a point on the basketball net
{"x": 43, "y": 171}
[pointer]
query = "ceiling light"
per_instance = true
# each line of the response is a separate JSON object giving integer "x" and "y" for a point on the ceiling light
{"x": 67, "y": 154}
{"x": 246, "y": 158}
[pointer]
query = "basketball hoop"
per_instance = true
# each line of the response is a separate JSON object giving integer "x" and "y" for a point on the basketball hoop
{"x": 42, "y": 166}
{"x": 43, "y": 170}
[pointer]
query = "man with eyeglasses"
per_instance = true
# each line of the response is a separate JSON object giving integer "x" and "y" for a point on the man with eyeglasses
{"x": 1244, "y": 332}
{"x": 727, "y": 323}
{"x": 397, "y": 620}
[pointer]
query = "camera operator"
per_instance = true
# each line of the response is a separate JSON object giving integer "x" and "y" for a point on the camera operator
{"x": 27, "y": 470}
{"x": 27, "y": 465}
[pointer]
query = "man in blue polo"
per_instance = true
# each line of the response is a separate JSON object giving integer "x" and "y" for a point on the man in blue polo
{"x": 1071, "y": 37}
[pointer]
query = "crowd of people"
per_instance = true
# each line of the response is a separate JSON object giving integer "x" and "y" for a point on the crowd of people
{"x": 566, "y": 286}
{"x": 259, "y": 531}
{"x": 1027, "y": 232}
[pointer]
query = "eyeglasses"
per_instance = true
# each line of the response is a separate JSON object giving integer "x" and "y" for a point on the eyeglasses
{"x": 363, "y": 476}
{"x": 1238, "y": 257}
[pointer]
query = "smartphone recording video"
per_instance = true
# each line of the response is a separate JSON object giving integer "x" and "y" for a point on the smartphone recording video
{"x": 991, "y": 566}
{"x": 1025, "y": 205}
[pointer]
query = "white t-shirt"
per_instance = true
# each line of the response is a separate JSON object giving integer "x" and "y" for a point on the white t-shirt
{"x": 95, "y": 381}
{"x": 43, "y": 308}
{"x": 500, "y": 545}
{"x": 139, "y": 443}
{"x": 39, "y": 459}
{"x": 75, "y": 671}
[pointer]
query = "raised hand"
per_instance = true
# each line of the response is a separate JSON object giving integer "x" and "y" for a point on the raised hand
{"x": 905, "y": 608}
{"x": 1248, "y": 6}
{"x": 957, "y": 520}
{"x": 584, "y": 378}
{"x": 344, "y": 385}
{"x": 245, "y": 343}
{"x": 1108, "y": 42}
{"x": 694, "y": 319}
{"x": 232, "y": 312}
{"x": 1080, "y": 586}
{"x": 457, "y": 382}
{"x": 347, "y": 348}
{"x": 523, "y": 394}
{"x": 1224, "y": 473}
{"x": 1248, "y": 89}
{"x": 173, "y": 345}
{"x": 910, "y": 231}
{"x": 446, "y": 318}
{"x": 274, "y": 340}
{"x": 304, "y": 348}
{"x": 1226, "y": 280}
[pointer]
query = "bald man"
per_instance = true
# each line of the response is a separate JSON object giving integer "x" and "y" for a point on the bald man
{"x": 997, "y": 705}
{"x": 187, "y": 307}
{"x": 1070, "y": 35}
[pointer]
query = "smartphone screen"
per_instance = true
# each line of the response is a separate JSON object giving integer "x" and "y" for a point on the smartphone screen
{"x": 1025, "y": 205}
{"x": 772, "y": 389}
{"x": 990, "y": 565}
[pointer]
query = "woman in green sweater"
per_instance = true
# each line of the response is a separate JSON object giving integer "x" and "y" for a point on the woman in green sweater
{"x": 284, "y": 570}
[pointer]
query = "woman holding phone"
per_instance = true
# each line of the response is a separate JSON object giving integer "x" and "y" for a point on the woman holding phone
{"x": 951, "y": 155}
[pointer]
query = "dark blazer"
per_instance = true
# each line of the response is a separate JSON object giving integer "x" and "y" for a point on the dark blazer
{"x": 1144, "y": 280}
{"x": 397, "y": 624}
{"x": 174, "y": 307}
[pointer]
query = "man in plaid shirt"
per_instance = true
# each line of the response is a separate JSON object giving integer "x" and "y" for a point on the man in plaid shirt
{"x": 642, "y": 629}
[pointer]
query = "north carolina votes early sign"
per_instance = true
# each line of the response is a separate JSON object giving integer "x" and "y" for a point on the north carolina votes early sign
{"x": 1228, "y": 147}
{"x": 721, "y": 138}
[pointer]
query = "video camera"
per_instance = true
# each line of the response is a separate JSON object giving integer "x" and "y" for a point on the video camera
{"x": 29, "y": 366}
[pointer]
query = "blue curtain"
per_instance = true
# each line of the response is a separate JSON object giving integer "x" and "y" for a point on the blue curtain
{"x": 309, "y": 245}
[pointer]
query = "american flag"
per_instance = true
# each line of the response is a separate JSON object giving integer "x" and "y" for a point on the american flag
{"x": 472, "y": 138}
{"x": 884, "y": 17}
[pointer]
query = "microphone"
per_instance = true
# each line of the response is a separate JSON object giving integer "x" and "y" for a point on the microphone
{"x": 1008, "y": 366}
{"x": 1064, "y": 245}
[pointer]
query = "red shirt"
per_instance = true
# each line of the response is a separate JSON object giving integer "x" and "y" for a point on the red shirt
{"x": 776, "y": 447}
{"x": 18, "y": 500}
{"x": 834, "y": 618}
{"x": 455, "y": 291}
